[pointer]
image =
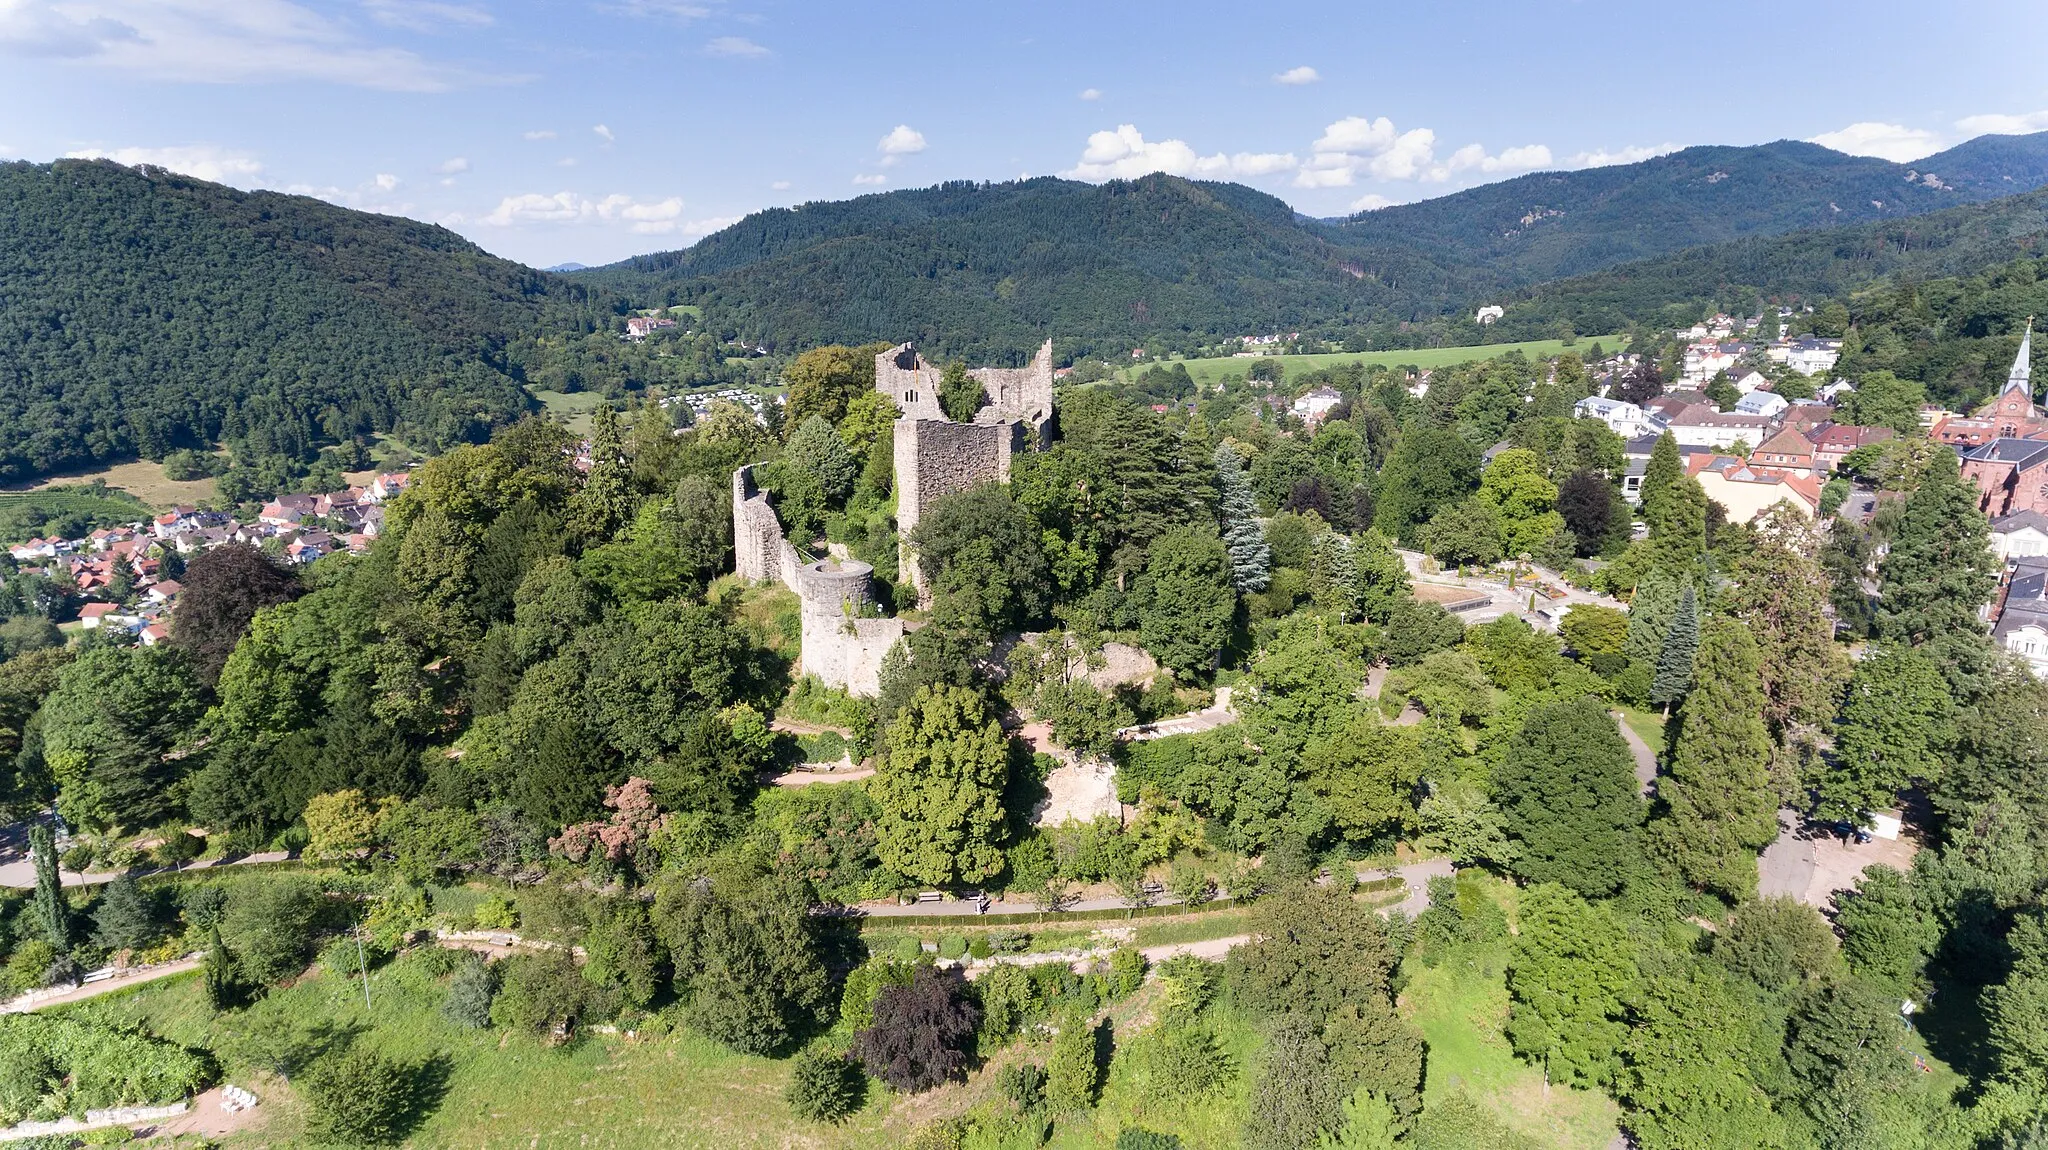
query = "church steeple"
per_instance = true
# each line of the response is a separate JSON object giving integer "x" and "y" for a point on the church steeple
{"x": 2020, "y": 378}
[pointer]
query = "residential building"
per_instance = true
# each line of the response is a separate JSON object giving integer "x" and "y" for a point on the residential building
{"x": 1832, "y": 441}
{"x": 2020, "y": 617}
{"x": 1768, "y": 404}
{"x": 1786, "y": 453}
{"x": 1748, "y": 381}
{"x": 1701, "y": 426}
{"x": 2010, "y": 474}
{"x": 2020, "y": 535}
{"x": 1747, "y": 493}
{"x": 1813, "y": 356}
{"x": 1622, "y": 418}
{"x": 1313, "y": 406}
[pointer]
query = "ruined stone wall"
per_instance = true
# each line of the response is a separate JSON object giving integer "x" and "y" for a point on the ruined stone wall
{"x": 1022, "y": 394}
{"x": 935, "y": 458}
{"x": 903, "y": 375}
{"x": 839, "y": 647}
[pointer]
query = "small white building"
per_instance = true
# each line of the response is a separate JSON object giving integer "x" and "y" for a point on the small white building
{"x": 1621, "y": 417}
{"x": 1317, "y": 403}
{"x": 1748, "y": 381}
{"x": 1813, "y": 356}
{"x": 1768, "y": 404}
{"x": 1701, "y": 426}
{"x": 2021, "y": 534}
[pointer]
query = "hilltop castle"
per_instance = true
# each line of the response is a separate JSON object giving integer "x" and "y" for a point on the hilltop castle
{"x": 935, "y": 457}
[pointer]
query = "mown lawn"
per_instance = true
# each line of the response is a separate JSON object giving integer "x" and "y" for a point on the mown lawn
{"x": 1206, "y": 371}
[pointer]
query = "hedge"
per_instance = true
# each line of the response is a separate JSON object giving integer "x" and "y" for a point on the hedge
{"x": 96, "y": 1066}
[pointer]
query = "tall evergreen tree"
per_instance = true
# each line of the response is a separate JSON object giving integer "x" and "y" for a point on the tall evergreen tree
{"x": 1569, "y": 971}
{"x": 1251, "y": 560}
{"x": 1568, "y": 788}
{"x": 1940, "y": 569}
{"x": 1781, "y": 594}
{"x": 1896, "y": 717}
{"x": 605, "y": 502}
{"x": 1664, "y": 469}
{"x": 51, "y": 916}
{"x": 1678, "y": 527}
{"x": 1649, "y": 616}
{"x": 1716, "y": 806}
{"x": 1675, "y": 658}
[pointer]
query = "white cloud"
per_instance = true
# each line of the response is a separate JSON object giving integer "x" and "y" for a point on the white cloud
{"x": 1125, "y": 154}
{"x": 902, "y": 140}
{"x": 868, "y": 180}
{"x": 427, "y": 15}
{"x": 738, "y": 46}
{"x": 603, "y": 133}
{"x": 1894, "y": 142}
{"x": 206, "y": 161}
{"x": 454, "y": 166}
{"x": 1356, "y": 146}
{"x": 643, "y": 217}
{"x": 1296, "y": 76}
{"x": 2003, "y": 124}
{"x": 385, "y": 181}
{"x": 705, "y": 227}
{"x": 566, "y": 162}
{"x": 1372, "y": 202}
{"x": 219, "y": 42}
{"x": 1091, "y": 93}
{"x": 779, "y": 186}
{"x": 540, "y": 134}
{"x": 1633, "y": 154}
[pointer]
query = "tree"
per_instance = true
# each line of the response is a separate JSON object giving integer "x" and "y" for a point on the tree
{"x": 1429, "y": 468}
{"x": 1781, "y": 595}
{"x": 1851, "y": 1078}
{"x": 540, "y": 993}
{"x": 960, "y": 394}
{"x": 1895, "y": 718}
{"x": 923, "y": 1033}
{"x": 605, "y": 502}
{"x": 824, "y": 381}
{"x": 270, "y": 926}
{"x": 1675, "y": 658}
{"x": 1678, "y": 527}
{"x": 1185, "y": 601}
{"x": 1570, "y": 970}
{"x": 940, "y": 786}
{"x": 1779, "y": 945}
{"x": 341, "y": 825}
{"x": 220, "y": 977}
{"x": 983, "y": 552}
{"x": 1464, "y": 533}
{"x": 1593, "y": 631}
{"x": 125, "y": 918}
{"x": 1568, "y": 788}
{"x": 1690, "y": 1076}
{"x": 223, "y": 589}
{"x": 1073, "y": 1070}
{"x": 824, "y": 1087}
{"x": 1251, "y": 560}
{"x": 1664, "y": 469}
{"x": 360, "y": 1098}
{"x": 1718, "y": 808}
{"x": 1295, "y": 1095}
{"x": 1369, "y": 1124}
{"x": 1315, "y": 950}
{"x": 51, "y": 915}
{"x": 817, "y": 449}
{"x": 1515, "y": 487}
{"x": 109, "y": 728}
{"x": 1882, "y": 399}
{"x": 470, "y": 991}
{"x": 1586, "y": 500}
{"x": 750, "y": 958}
{"x": 1940, "y": 568}
{"x": 1887, "y": 937}
{"x": 1650, "y": 610}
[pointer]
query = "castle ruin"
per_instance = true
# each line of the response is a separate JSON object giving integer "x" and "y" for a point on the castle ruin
{"x": 935, "y": 457}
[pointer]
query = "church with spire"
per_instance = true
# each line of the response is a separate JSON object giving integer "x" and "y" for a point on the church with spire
{"x": 2004, "y": 444}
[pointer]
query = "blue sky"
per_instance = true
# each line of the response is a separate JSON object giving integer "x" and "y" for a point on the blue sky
{"x": 589, "y": 130}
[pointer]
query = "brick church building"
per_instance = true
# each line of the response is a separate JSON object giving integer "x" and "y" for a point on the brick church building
{"x": 2011, "y": 469}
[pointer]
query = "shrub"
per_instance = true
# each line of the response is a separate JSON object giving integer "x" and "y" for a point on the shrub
{"x": 1126, "y": 971}
{"x": 980, "y": 948}
{"x": 923, "y": 1033}
{"x": 1185, "y": 1061}
{"x": 104, "y": 1067}
{"x": 1008, "y": 1000}
{"x": 540, "y": 992}
{"x": 952, "y": 946}
{"x": 1074, "y": 1069}
{"x": 468, "y": 1004}
{"x": 1023, "y": 1084}
{"x": 908, "y": 948}
{"x": 359, "y": 1098}
{"x": 269, "y": 925}
{"x": 496, "y": 912}
{"x": 340, "y": 957}
{"x": 1139, "y": 1138}
{"x": 824, "y": 1087}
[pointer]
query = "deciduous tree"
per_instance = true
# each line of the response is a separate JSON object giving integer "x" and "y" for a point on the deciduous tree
{"x": 1569, "y": 791}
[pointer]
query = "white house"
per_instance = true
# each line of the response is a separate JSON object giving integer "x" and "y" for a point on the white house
{"x": 1701, "y": 426}
{"x": 2022, "y": 618}
{"x": 1316, "y": 404}
{"x": 1768, "y": 404}
{"x": 2019, "y": 535}
{"x": 1622, "y": 418}
{"x": 1748, "y": 381}
{"x": 1813, "y": 356}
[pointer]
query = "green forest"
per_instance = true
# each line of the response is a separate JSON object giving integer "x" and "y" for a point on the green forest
{"x": 538, "y": 705}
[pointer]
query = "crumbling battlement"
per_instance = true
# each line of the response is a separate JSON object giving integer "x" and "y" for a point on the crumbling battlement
{"x": 840, "y": 647}
{"x": 1014, "y": 394}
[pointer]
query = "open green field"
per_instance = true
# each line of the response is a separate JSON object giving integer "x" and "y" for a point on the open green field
{"x": 141, "y": 478}
{"x": 573, "y": 408}
{"x": 1205, "y": 371}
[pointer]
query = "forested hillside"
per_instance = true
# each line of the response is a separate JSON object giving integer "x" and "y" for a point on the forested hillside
{"x": 1806, "y": 265}
{"x": 972, "y": 269}
{"x": 143, "y": 311}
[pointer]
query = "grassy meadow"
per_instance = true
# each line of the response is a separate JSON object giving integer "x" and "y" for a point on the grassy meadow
{"x": 1208, "y": 371}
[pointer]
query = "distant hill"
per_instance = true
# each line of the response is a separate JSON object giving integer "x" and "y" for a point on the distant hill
{"x": 1806, "y": 265}
{"x": 143, "y": 311}
{"x": 992, "y": 268}
{"x": 568, "y": 267}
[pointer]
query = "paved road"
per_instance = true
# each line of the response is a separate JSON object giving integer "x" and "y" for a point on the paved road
{"x": 1415, "y": 875}
{"x": 1786, "y": 867}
